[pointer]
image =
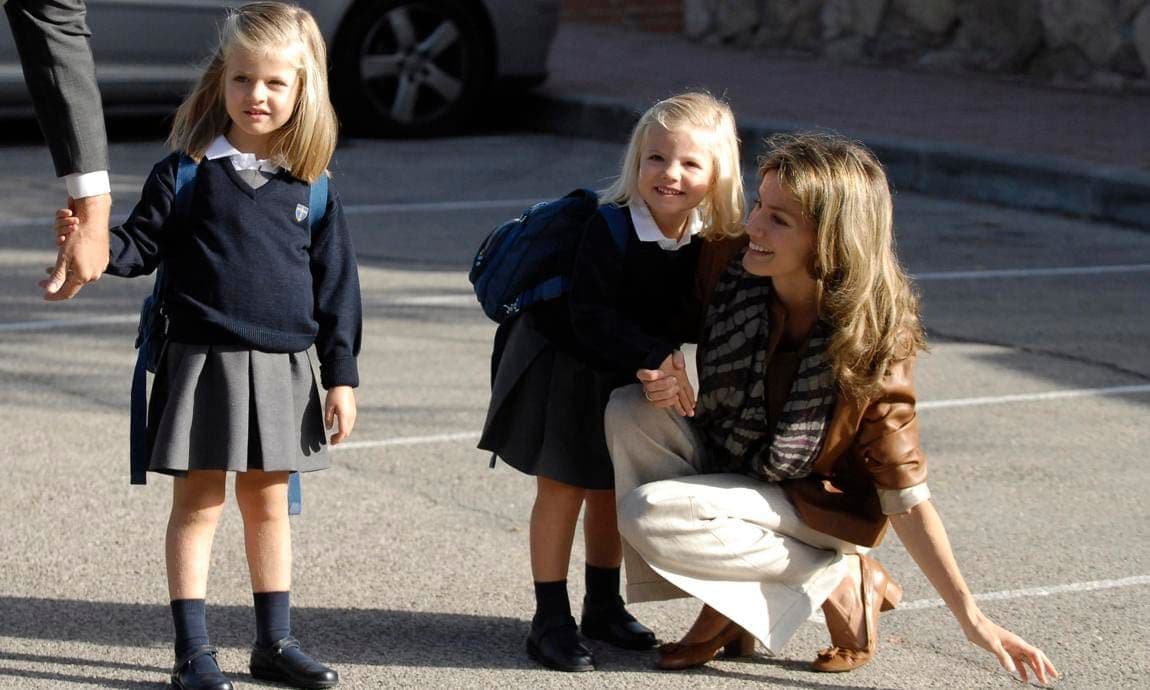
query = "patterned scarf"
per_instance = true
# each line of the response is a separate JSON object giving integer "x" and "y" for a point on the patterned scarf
{"x": 731, "y": 411}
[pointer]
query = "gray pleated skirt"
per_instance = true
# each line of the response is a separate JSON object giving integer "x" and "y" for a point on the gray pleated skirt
{"x": 229, "y": 408}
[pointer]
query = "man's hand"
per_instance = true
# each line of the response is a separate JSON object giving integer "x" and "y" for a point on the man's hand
{"x": 83, "y": 256}
{"x": 668, "y": 386}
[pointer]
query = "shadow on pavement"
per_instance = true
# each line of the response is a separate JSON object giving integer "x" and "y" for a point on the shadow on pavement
{"x": 371, "y": 637}
{"x": 338, "y": 635}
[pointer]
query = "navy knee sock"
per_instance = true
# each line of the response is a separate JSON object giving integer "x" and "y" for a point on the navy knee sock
{"x": 551, "y": 600}
{"x": 602, "y": 586}
{"x": 273, "y": 617}
{"x": 190, "y": 619}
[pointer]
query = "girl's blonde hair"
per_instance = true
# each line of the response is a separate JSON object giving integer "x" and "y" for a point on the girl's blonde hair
{"x": 863, "y": 291}
{"x": 723, "y": 207}
{"x": 307, "y": 140}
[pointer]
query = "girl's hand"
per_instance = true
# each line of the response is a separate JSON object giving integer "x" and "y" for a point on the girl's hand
{"x": 1013, "y": 652}
{"x": 339, "y": 405}
{"x": 668, "y": 386}
{"x": 66, "y": 224}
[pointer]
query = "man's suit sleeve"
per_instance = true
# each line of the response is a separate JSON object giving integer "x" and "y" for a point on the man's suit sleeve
{"x": 51, "y": 37}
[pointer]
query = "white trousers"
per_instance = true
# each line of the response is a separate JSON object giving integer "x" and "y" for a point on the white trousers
{"x": 732, "y": 541}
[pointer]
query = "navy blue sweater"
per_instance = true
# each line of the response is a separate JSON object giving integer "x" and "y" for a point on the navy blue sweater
{"x": 632, "y": 309}
{"x": 243, "y": 270}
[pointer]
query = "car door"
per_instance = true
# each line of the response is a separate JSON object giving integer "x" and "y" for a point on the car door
{"x": 151, "y": 50}
{"x": 147, "y": 51}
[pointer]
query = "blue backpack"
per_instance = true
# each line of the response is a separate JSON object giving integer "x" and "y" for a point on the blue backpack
{"x": 529, "y": 259}
{"x": 153, "y": 328}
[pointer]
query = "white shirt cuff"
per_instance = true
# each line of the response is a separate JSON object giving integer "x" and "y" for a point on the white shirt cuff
{"x": 81, "y": 185}
{"x": 895, "y": 501}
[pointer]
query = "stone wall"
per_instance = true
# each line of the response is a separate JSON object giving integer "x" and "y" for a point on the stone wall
{"x": 1100, "y": 42}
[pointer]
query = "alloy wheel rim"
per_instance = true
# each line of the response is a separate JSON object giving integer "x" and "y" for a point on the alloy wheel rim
{"x": 413, "y": 63}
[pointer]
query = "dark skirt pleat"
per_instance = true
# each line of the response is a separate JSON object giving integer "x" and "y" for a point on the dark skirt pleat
{"x": 233, "y": 409}
{"x": 546, "y": 412}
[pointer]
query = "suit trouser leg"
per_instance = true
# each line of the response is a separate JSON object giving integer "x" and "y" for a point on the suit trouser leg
{"x": 732, "y": 541}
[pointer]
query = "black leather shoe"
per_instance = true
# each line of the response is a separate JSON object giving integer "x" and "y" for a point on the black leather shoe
{"x": 556, "y": 644}
{"x": 184, "y": 677}
{"x": 611, "y": 623}
{"x": 284, "y": 662}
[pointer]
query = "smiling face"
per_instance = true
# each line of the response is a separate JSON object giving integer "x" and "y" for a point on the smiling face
{"x": 259, "y": 94}
{"x": 782, "y": 238}
{"x": 675, "y": 173}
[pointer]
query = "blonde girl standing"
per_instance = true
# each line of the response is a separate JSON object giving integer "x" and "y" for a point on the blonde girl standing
{"x": 250, "y": 287}
{"x": 555, "y": 365}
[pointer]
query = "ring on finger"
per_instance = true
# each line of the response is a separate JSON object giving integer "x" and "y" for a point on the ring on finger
{"x": 647, "y": 396}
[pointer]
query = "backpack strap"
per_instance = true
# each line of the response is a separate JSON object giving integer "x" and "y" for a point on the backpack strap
{"x": 316, "y": 210}
{"x": 317, "y": 202}
{"x": 618, "y": 222}
{"x": 183, "y": 185}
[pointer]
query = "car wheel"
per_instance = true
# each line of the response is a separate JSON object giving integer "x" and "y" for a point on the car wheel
{"x": 411, "y": 67}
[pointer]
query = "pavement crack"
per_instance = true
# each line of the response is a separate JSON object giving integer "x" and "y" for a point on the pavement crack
{"x": 435, "y": 500}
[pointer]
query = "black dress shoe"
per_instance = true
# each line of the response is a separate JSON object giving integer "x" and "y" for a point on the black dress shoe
{"x": 284, "y": 662}
{"x": 184, "y": 677}
{"x": 556, "y": 644}
{"x": 611, "y": 623}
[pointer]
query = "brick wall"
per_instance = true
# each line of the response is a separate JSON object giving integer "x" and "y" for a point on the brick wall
{"x": 664, "y": 16}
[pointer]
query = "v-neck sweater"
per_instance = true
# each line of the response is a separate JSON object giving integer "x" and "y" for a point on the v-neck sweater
{"x": 244, "y": 267}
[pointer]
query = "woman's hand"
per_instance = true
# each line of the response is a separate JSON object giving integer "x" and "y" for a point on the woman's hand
{"x": 1013, "y": 652}
{"x": 922, "y": 533}
{"x": 339, "y": 406}
{"x": 668, "y": 386}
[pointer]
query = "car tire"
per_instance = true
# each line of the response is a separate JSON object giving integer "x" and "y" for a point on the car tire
{"x": 411, "y": 68}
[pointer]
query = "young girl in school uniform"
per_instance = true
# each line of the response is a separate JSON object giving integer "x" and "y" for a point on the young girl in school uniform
{"x": 250, "y": 287}
{"x": 556, "y": 364}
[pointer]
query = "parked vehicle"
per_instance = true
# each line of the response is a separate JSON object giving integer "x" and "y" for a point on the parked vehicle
{"x": 398, "y": 67}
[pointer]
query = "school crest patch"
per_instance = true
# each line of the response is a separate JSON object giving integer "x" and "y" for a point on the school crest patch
{"x": 300, "y": 213}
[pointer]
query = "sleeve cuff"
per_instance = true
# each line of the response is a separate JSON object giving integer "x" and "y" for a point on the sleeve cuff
{"x": 656, "y": 357}
{"x": 81, "y": 185}
{"x": 895, "y": 501}
{"x": 339, "y": 372}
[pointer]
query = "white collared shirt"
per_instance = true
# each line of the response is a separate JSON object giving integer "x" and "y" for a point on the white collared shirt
{"x": 648, "y": 231}
{"x": 80, "y": 185}
{"x": 240, "y": 161}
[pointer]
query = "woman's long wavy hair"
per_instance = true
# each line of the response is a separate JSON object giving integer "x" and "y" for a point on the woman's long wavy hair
{"x": 306, "y": 142}
{"x": 863, "y": 291}
{"x": 723, "y": 207}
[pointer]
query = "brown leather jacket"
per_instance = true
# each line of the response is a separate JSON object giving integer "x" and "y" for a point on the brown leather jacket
{"x": 870, "y": 444}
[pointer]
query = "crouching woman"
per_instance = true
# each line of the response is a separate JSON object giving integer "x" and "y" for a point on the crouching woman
{"x": 804, "y": 442}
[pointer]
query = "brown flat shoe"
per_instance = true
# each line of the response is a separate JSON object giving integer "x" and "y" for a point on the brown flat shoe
{"x": 879, "y": 593}
{"x": 733, "y": 640}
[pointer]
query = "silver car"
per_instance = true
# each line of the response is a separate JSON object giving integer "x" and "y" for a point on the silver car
{"x": 398, "y": 67}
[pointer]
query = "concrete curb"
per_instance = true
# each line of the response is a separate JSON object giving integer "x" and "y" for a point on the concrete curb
{"x": 1110, "y": 194}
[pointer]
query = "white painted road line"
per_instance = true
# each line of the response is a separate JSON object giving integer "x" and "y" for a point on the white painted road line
{"x": 928, "y": 405}
{"x": 1033, "y": 397}
{"x": 44, "y": 325}
{"x": 1030, "y": 592}
{"x": 416, "y": 206}
{"x": 409, "y": 440}
{"x": 1030, "y": 272}
{"x": 348, "y": 209}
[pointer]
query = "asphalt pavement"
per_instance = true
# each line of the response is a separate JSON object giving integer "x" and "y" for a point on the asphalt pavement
{"x": 1005, "y": 140}
{"x": 411, "y": 555}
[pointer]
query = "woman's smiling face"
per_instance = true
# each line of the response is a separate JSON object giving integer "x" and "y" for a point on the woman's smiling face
{"x": 782, "y": 237}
